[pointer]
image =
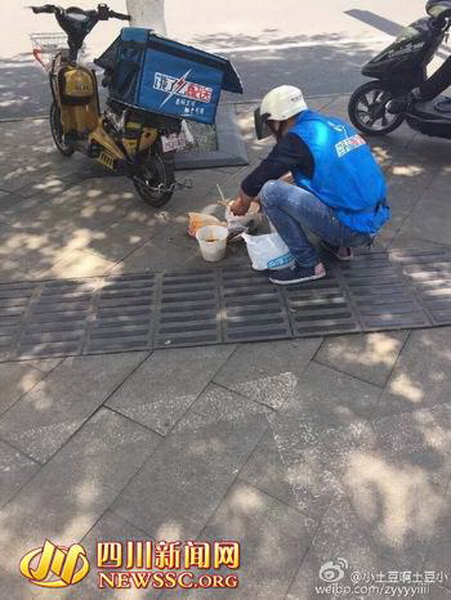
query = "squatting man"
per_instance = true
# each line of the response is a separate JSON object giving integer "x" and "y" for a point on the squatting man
{"x": 340, "y": 192}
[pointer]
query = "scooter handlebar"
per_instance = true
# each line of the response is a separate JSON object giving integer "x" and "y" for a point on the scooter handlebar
{"x": 121, "y": 16}
{"x": 47, "y": 8}
{"x": 102, "y": 10}
{"x": 442, "y": 20}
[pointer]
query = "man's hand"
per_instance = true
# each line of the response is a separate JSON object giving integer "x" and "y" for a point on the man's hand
{"x": 241, "y": 205}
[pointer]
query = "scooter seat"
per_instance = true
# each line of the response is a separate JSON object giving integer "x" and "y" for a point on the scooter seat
{"x": 437, "y": 109}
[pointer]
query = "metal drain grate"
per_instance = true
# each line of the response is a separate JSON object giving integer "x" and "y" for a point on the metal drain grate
{"x": 14, "y": 301}
{"x": 430, "y": 275}
{"x": 252, "y": 309}
{"x": 321, "y": 307}
{"x": 57, "y": 319}
{"x": 122, "y": 316}
{"x": 188, "y": 311}
{"x": 381, "y": 298}
{"x": 379, "y": 291}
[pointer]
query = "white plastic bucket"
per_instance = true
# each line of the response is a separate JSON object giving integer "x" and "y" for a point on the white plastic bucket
{"x": 212, "y": 241}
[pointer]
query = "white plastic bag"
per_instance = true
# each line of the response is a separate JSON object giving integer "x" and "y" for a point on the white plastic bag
{"x": 268, "y": 251}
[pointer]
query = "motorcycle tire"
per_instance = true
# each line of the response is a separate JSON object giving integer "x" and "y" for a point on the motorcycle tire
{"x": 57, "y": 131}
{"x": 155, "y": 180}
{"x": 366, "y": 108}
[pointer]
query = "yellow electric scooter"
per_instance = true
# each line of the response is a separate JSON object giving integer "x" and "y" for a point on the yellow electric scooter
{"x": 135, "y": 143}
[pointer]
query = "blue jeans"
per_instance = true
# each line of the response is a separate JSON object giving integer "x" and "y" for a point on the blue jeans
{"x": 293, "y": 210}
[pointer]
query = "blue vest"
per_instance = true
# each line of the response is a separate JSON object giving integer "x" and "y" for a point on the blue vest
{"x": 346, "y": 176}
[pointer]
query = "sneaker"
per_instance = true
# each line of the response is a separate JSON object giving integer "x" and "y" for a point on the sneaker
{"x": 297, "y": 274}
{"x": 340, "y": 252}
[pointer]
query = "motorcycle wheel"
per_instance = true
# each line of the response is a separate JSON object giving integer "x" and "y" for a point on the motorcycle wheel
{"x": 57, "y": 131}
{"x": 367, "y": 110}
{"x": 155, "y": 179}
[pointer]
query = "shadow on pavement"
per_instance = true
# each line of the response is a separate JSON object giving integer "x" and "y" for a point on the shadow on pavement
{"x": 352, "y": 474}
{"x": 24, "y": 88}
{"x": 68, "y": 217}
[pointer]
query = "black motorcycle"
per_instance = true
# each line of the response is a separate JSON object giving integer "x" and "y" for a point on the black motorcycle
{"x": 398, "y": 70}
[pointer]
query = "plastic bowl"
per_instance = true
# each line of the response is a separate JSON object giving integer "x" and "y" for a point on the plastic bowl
{"x": 212, "y": 242}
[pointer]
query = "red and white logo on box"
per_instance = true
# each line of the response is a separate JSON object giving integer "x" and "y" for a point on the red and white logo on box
{"x": 182, "y": 87}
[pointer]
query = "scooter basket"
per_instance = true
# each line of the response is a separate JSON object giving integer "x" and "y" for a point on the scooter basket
{"x": 159, "y": 75}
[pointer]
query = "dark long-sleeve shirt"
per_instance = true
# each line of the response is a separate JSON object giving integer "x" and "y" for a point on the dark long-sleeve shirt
{"x": 289, "y": 153}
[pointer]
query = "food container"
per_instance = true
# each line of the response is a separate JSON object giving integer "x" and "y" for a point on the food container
{"x": 212, "y": 242}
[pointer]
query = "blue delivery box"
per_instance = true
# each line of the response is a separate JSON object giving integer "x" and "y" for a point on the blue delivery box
{"x": 162, "y": 76}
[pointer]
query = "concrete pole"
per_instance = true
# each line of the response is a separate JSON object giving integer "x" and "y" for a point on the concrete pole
{"x": 147, "y": 13}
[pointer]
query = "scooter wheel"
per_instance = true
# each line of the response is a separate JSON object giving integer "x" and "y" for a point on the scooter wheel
{"x": 155, "y": 180}
{"x": 367, "y": 110}
{"x": 57, "y": 131}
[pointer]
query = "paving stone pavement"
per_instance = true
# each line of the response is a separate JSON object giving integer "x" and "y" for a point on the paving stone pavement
{"x": 305, "y": 452}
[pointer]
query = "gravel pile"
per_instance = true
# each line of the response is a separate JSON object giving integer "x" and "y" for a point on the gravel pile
{"x": 205, "y": 139}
